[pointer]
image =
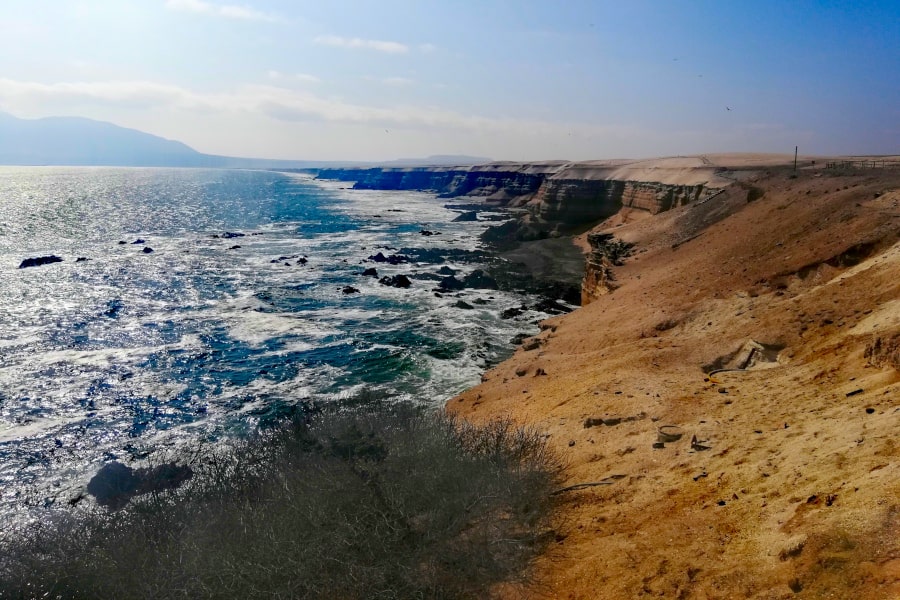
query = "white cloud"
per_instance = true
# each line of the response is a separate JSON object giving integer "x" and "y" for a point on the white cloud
{"x": 379, "y": 45}
{"x": 229, "y": 11}
{"x": 299, "y": 77}
{"x": 273, "y": 102}
{"x": 427, "y": 47}
{"x": 398, "y": 81}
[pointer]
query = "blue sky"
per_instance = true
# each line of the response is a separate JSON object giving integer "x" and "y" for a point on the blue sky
{"x": 377, "y": 80}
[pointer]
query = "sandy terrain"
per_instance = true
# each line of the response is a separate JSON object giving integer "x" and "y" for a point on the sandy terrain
{"x": 785, "y": 482}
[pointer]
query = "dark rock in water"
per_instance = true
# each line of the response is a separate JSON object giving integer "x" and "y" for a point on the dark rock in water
{"x": 228, "y": 235}
{"x": 82, "y": 259}
{"x": 466, "y": 216}
{"x": 480, "y": 301}
{"x": 511, "y": 313}
{"x": 479, "y": 279}
{"x": 445, "y": 270}
{"x": 113, "y": 307}
{"x": 399, "y": 281}
{"x": 147, "y": 250}
{"x": 393, "y": 259}
{"x": 451, "y": 283}
{"x": 548, "y": 305}
{"x": 350, "y": 290}
{"x": 302, "y": 260}
{"x": 370, "y": 272}
{"x": 38, "y": 261}
{"x": 427, "y": 233}
{"x": 463, "y": 304}
{"x": 139, "y": 241}
{"x": 123, "y": 242}
{"x": 115, "y": 484}
{"x": 235, "y": 247}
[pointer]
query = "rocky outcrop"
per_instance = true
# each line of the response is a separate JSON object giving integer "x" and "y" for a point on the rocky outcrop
{"x": 39, "y": 261}
{"x": 606, "y": 252}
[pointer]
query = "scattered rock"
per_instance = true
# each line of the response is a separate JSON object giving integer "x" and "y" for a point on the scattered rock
{"x": 451, "y": 283}
{"x": 229, "y": 234}
{"x": 445, "y": 270}
{"x": 235, "y": 247}
{"x": 511, "y": 313}
{"x": 398, "y": 281}
{"x": 854, "y": 392}
{"x": 428, "y": 233}
{"x": 571, "y": 443}
{"x": 39, "y": 261}
{"x": 551, "y": 306}
{"x": 139, "y": 241}
{"x": 370, "y": 272}
{"x": 466, "y": 216}
{"x": 534, "y": 344}
{"x": 463, "y": 305}
{"x": 393, "y": 259}
{"x": 349, "y": 290}
{"x": 147, "y": 250}
{"x": 479, "y": 279}
{"x": 82, "y": 259}
{"x": 592, "y": 422}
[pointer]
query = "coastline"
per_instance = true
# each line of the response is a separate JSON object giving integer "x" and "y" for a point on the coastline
{"x": 771, "y": 472}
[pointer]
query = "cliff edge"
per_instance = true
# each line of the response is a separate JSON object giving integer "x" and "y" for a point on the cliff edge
{"x": 727, "y": 401}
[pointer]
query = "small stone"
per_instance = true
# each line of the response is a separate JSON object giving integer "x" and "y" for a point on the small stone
{"x": 571, "y": 443}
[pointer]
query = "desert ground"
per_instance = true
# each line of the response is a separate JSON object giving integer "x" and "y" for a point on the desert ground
{"x": 776, "y": 478}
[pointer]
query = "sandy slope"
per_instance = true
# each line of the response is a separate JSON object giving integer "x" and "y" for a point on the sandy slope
{"x": 793, "y": 490}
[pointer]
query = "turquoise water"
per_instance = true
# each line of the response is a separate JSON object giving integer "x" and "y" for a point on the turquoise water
{"x": 236, "y": 316}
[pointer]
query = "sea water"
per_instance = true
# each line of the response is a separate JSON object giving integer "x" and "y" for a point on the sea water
{"x": 202, "y": 303}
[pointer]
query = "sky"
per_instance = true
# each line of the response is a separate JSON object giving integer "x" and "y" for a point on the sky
{"x": 509, "y": 80}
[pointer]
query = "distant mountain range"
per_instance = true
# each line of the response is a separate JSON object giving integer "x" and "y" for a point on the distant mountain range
{"x": 75, "y": 141}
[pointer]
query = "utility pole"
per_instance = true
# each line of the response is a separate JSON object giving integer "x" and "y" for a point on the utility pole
{"x": 795, "y": 159}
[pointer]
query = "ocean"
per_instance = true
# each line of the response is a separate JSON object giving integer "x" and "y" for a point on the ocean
{"x": 197, "y": 304}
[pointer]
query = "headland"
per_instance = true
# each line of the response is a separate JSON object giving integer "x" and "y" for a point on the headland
{"x": 727, "y": 398}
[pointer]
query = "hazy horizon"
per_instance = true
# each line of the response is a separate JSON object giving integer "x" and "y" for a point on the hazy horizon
{"x": 514, "y": 81}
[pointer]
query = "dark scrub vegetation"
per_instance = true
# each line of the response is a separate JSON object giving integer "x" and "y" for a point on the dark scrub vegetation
{"x": 393, "y": 502}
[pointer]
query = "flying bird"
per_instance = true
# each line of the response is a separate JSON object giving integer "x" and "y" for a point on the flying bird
{"x": 728, "y": 108}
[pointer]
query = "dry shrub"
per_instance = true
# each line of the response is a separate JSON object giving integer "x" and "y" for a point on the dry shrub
{"x": 391, "y": 502}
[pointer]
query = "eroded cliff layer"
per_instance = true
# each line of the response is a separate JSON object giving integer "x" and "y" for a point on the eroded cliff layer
{"x": 556, "y": 193}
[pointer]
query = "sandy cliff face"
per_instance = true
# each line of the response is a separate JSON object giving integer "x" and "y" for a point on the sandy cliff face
{"x": 574, "y": 201}
{"x": 777, "y": 480}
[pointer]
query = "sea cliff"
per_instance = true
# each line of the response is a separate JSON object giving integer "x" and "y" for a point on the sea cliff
{"x": 560, "y": 197}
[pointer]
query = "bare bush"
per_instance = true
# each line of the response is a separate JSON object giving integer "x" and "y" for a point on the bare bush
{"x": 385, "y": 503}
